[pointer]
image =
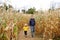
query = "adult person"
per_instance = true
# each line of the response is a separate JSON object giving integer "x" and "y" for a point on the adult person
{"x": 32, "y": 25}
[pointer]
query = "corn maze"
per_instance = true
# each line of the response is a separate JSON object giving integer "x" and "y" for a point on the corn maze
{"x": 47, "y": 24}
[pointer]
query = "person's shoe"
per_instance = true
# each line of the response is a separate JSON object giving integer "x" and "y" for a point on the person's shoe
{"x": 32, "y": 36}
{"x": 26, "y": 36}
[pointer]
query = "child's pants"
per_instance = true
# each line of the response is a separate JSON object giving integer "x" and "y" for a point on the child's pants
{"x": 25, "y": 32}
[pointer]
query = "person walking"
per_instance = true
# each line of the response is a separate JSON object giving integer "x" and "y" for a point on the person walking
{"x": 25, "y": 29}
{"x": 32, "y": 25}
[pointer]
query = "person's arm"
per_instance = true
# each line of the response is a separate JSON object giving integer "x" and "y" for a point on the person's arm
{"x": 34, "y": 21}
{"x": 28, "y": 27}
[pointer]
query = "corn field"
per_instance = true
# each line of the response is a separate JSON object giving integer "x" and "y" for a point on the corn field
{"x": 47, "y": 24}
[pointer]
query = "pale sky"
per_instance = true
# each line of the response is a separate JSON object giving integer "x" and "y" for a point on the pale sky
{"x": 25, "y": 4}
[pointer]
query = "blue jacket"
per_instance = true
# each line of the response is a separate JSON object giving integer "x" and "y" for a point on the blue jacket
{"x": 32, "y": 22}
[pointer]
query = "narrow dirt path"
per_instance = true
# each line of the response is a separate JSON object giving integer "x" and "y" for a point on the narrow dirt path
{"x": 21, "y": 36}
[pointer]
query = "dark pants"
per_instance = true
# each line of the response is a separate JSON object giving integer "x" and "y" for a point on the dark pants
{"x": 25, "y": 32}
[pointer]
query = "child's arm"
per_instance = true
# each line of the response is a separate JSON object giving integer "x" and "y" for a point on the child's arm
{"x": 28, "y": 27}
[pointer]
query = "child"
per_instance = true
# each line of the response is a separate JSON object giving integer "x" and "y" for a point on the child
{"x": 25, "y": 28}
